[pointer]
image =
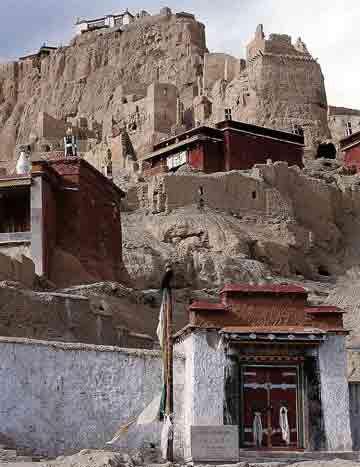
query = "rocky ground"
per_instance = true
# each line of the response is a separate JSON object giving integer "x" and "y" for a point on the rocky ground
{"x": 91, "y": 458}
{"x": 303, "y": 225}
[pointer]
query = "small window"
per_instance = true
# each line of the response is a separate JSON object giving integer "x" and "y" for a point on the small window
{"x": 228, "y": 115}
{"x": 124, "y": 100}
{"x": 348, "y": 130}
{"x": 253, "y": 194}
{"x": 137, "y": 109}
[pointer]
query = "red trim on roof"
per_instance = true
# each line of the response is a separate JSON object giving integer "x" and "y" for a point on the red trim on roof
{"x": 268, "y": 288}
{"x": 202, "y": 305}
{"x": 323, "y": 309}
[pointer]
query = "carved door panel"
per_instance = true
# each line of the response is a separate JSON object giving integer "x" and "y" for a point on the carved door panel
{"x": 269, "y": 406}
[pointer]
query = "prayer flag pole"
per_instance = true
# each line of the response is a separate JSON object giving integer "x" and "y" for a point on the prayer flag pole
{"x": 169, "y": 375}
{"x": 168, "y": 362}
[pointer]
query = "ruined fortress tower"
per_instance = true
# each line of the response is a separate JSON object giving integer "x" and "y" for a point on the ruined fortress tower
{"x": 280, "y": 85}
{"x": 125, "y": 87}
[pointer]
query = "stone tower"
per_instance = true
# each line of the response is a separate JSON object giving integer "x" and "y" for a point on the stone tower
{"x": 279, "y": 86}
{"x": 289, "y": 87}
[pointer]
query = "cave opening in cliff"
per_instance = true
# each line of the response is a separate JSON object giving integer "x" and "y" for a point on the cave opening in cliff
{"x": 323, "y": 271}
{"x": 326, "y": 151}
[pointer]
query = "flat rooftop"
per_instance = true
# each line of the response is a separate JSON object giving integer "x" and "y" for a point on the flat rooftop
{"x": 200, "y": 133}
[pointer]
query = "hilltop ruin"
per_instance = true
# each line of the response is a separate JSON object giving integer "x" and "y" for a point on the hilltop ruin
{"x": 126, "y": 84}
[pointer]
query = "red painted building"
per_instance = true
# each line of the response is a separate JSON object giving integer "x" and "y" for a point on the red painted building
{"x": 68, "y": 221}
{"x": 276, "y": 373}
{"x": 230, "y": 146}
{"x": 351, "y": 149}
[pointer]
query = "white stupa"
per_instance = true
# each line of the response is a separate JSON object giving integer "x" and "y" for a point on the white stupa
{"x": 23, "y": 165}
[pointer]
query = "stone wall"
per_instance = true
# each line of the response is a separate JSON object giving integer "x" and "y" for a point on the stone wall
{"x": 54, "y": 316}
{"x": 233, "y": 192}
{"x": 60, "y": 398}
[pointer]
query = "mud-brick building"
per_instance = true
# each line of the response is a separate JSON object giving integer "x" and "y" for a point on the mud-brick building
{"x": 350, "y": 146}
{"x": 267, "y": 370}
{"x": 231, "y": 145}
{"x": 65, "y": 216}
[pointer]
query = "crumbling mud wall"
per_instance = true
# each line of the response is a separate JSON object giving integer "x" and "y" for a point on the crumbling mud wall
{"x": 235, "y": 192}
{"x": 76, "y": 396}
{"x": 100, "y": 318}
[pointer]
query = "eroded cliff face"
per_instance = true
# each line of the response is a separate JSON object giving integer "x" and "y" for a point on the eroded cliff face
{"x": 104, "y": 76}
{"x": 90, "y": 77}
{"x": 274, "y": 222}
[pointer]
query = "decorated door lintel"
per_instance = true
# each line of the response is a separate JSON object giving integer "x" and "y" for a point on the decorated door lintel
{"x": 271, "y": 406}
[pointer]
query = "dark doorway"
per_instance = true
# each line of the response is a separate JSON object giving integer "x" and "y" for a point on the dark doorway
{"x": 15, "y": 210}
{"x": 326, "y": 150}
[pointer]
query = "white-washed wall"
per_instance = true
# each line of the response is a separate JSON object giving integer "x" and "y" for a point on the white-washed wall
{"x": 204, "y": 377}
{"x": 59, "y": 398}
{"x": 335, "y": 393}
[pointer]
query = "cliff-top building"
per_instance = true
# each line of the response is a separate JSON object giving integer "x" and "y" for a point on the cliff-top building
{"x": 108, "y": 21}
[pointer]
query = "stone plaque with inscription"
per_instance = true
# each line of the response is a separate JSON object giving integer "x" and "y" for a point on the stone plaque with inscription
{"x": 214, "y": 444}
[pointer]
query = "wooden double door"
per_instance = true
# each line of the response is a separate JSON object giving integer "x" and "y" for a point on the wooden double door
{"x": 270, "y": 412}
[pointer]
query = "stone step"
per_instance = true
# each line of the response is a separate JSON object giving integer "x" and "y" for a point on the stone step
{"x": 268, "y": 462}
{"x": 263, "y": 463}
{"x": 291, "y": 457}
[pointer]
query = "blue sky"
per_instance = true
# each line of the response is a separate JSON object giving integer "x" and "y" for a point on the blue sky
{"x": 328, "y": 27}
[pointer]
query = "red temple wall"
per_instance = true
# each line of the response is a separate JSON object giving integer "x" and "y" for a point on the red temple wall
{"x": 100, "y": 248}
{"x": 352, "y": 157}
{"x": 196, "y": 157}
{"x": 49, "y": 200}
{"x": 83, "y": 226}
{"x": 243, "y": 150}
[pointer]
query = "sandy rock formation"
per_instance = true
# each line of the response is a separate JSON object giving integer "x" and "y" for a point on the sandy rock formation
{"x": 206, "y": 249}
{"x": 104, "y": 76}
{"x": 90, "y": 77}
{"x": 274, "y": 221}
